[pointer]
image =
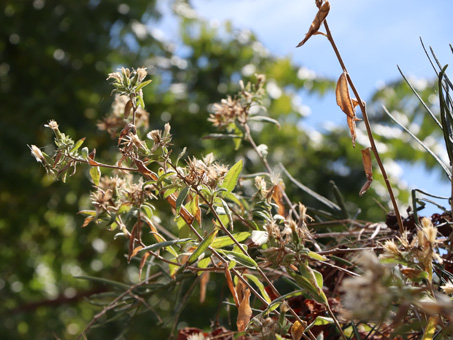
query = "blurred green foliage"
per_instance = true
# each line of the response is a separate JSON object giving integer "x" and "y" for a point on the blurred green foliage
{"x": 54, "y": 58}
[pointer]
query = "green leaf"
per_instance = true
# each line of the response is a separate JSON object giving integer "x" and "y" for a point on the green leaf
{"x": 142, "y": 85}
{"x": 85, "y": 153}
{"x": 232, "y": 176}
{"x": 203, "y": 246}
{"x": 232, "y": 197}
{"x": 95, "y": 174}
{"x": 141, "y": 102}
{"x": 224, "y": 241}
{"x": 228, "y": 213}
{"x": 320, "y": 321}
{"x": 316, "y": 256}
{"x": 310, "y": 280}
{"x": 203, "y": 263}
{"x": 260, "y": 286}
{"x": 277, "y": 302}
{"x": 77, "y": 145}
{"x": 181, "y": 197}
{"x": 87, "y": 212}
{"x": 240, "y": 258}
{"x": 160, "y": 245}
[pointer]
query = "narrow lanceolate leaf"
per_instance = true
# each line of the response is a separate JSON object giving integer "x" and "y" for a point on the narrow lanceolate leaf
{"x": 260, "y": 286}
{"x": 239, "y": 258}
{"x": 142, "y": 85}
{"x": 95, "y": 174}
{"x": 160, "y": 245}
{"x": 232, "y": 176}
{"x": 320, "y": 321}
{"x": 316, "y": 24}
{"x": 181, "y": 197}
{"x": 77, "y": 145}
{"x": 312, "y": 281}
{"x": 366, "y": 159}
{"x": 430, "y": 328}
{"x": 127, "y": 109}
{"x": 203, "y": 246}
{"x": 224, "y": 241}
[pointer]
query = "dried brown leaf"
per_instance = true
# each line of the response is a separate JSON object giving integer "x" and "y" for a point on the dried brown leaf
{"x": 366, "y": 159}
{"x": 127, "y": 109}
{"x": 231, "y": 286}
{"x": 87, "y": 221}
{"x": 142, "y": 263}
{"x": 297, "y": 329}
{"x": 244, "y": 311}
{"x": 204, "y": 279}
{"x": 316, "y": 24}
{"x": 347, "y": 104}
{"x": 91, "y": 160}
{"x": 277, "y": 197}
{"x": 135, "y": 235}
{"x": 344, "y": 100}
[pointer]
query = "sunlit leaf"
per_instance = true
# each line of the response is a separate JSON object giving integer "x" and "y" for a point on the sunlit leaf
{"x": 316, "y": 24}
{"x": 224, "y": 241}
{"x": 430, "y": 328}
{"x": 232, "y": 176}
{"x": 297, "y": 329}
{"x": 259, "y": 237}
{"x": 320, "y": 321}
{"x": 316, "y": 256}
{"x": 77, "y": 145}
{"x": 95, "y": 173}
{"x": 142, "y": 85}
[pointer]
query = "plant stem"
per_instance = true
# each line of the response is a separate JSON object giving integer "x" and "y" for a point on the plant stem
{"x": 368, "y": 129}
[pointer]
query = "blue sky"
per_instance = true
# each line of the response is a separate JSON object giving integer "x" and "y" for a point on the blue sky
{"x": 373, "y": 37}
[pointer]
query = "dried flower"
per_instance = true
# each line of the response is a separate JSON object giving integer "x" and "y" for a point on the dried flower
{"x": 368, "y": 296}
{"x": 141, "y": 73}
{"x": 448, "y": 288}
{"x": 36, "y": 152}
{"x": 226, "y": 112}
{"x": 52, "y": 125}
{"x": 201, "y": 173}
